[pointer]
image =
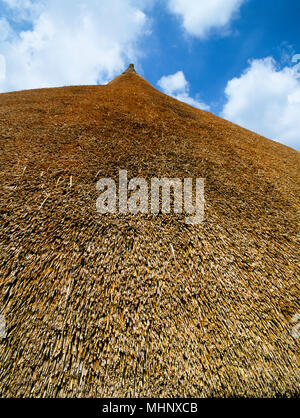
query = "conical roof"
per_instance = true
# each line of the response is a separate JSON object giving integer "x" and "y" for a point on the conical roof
{"x": 143, "y": 305}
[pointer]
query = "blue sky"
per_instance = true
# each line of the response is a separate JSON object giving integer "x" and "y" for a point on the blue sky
{"x": 232, "y": 57}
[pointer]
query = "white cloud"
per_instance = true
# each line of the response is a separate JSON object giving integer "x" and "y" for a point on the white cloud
{"x": 199, "y": 17}
{"x": 266, "y": 100}
{"x": 71, "y": 42}
{"x": 176, "y": 85}
{"x": 2, "y": 68}
{"x": 5, "y": 29}
{"x": 173, "y": 83}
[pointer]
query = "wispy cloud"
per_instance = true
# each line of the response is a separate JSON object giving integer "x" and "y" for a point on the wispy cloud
{"x": 177, "y": 86}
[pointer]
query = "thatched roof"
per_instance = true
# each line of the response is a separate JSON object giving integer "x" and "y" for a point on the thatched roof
{"x": 143, "y": 305}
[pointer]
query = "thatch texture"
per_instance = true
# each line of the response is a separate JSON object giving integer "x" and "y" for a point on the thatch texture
{"x": 143, "y": 306}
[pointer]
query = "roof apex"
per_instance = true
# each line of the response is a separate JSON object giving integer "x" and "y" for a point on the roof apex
{"x": 130, "y": 69}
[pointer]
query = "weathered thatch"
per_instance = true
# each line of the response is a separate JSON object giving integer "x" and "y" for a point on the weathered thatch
{"x": 143, "y": 305}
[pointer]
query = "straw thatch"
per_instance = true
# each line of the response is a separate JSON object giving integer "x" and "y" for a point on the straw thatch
{"x": 143, "y": 305}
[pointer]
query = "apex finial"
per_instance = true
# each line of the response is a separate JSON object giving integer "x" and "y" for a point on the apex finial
{"x": 130, "y": 69}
